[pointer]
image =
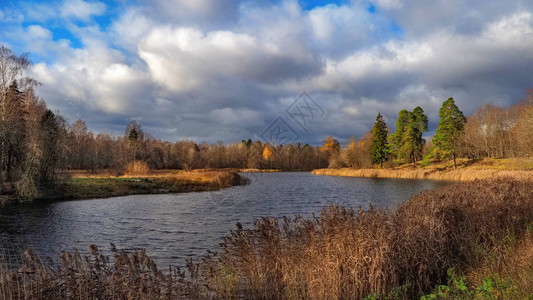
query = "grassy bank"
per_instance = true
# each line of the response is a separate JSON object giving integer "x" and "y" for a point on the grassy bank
{"x": 464, "y": 241}
{"x": 87, "y": 186}
{"x": 467, "y": 170}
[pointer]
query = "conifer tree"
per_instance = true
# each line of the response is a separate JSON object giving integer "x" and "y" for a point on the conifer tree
{"x": 412, "y": 139}
{"x": 379, "y": 148}
{"x": 397, "y": 139}
{"x": 450, "y": 128}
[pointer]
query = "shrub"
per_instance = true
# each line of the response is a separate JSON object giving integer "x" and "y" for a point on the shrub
{"x": 136, "y": 168}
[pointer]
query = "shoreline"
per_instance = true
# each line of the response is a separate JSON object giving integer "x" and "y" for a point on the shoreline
{"x": 98, "y": 187}
{"x": 461, "y": 175}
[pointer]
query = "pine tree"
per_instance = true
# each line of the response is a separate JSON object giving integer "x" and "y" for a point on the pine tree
{"x": 413, "y": 141}
{"x": 397, "y": 139}
{"x": 451, "y": 126}
{"x": 379, "y": 148}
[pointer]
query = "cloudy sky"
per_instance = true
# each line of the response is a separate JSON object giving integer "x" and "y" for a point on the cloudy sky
{"x": 211, "y": 70}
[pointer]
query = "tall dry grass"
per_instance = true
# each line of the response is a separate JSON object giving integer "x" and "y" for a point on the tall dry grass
{"x": 340, "y": 253}
{"x": 433, "y": 174}
{"x": 95, "y": 276}
{"x": 347, "y": 254}
{"x": 137, "y": 167}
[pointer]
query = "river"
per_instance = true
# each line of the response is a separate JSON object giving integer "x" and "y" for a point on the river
{"x": 175, "y": 227}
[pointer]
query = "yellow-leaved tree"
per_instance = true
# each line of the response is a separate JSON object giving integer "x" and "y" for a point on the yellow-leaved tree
{"x": 330, "y": 143}
{"x": 267, "y": 152}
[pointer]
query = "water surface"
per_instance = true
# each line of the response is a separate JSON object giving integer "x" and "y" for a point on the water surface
{"x": 179, "y": 226}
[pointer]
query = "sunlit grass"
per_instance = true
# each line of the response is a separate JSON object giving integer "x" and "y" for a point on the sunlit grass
{"x": 85, "y": 186}
{"x": 467, "y": 170}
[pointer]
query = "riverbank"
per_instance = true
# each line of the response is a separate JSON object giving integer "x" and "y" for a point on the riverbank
{"x": 467, "y": 171}
{"x": 80, "y": 185}
{"x": 432, "y": 174}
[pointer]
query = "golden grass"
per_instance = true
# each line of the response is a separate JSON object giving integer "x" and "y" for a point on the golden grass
{"x": 136, "y": 168}
{"x": 423, "y": 173}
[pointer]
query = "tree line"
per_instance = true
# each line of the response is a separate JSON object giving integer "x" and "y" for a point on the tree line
{"x": 491, "y": 132}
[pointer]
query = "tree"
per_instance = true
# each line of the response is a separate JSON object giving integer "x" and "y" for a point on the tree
{"x": 450, "y": 128}
{"x": 267, "y": 152}
{"x": 51, "y": 127}
{"x": 379, "y": 148}
{"x": 12, "y": 68}
{"x": 330, "y": 144}
{"x": 134, "y": 135}
{"x": 13, "y": 127}
{"x": 397, "y": 139}
{"x": 413, "y": 141}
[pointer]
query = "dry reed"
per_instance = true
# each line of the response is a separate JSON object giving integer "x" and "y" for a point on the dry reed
{"x": 347, "y": 254}
{"x": 433, "y": 174}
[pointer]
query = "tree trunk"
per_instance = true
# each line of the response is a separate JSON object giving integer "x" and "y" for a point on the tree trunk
{"x": 414, "y": 160}
{"x": 454, "y": 162}
{"x": 8, "y": 171}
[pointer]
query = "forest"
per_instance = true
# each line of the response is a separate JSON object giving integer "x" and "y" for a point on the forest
{"x": 37, "y": 145}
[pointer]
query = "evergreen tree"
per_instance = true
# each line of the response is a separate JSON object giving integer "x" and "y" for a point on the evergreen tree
{"x": 379, "y": 148}
{"x": 134, "y": 134}
{"x": 397, "y": 139}
{"x": 451, "y": 126}
{"x": 412, "y": 139}
{"x": 13, "y": 127}
{"x": 50, "y": 150}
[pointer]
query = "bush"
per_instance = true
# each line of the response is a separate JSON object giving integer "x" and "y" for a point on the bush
{"x": 137, "y": 168}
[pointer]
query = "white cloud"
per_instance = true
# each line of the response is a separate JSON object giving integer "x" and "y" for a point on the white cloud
{"x": 82, "y": 10}
{"x": 185, "y": 58}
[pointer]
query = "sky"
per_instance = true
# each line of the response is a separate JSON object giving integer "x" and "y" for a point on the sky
{"x": 227, "y": 70}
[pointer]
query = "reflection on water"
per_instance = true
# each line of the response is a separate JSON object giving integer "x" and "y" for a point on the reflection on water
{"x": 176, "y": 227}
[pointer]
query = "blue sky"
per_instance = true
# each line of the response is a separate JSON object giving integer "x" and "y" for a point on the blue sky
{"x": 211, "y": 70}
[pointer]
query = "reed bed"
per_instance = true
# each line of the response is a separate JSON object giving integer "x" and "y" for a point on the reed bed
{"x": 94, "y": 276}
{"x": 347, "y": 254}
{"x": 433, "y": 174}
{"x": 477, "y": 228}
